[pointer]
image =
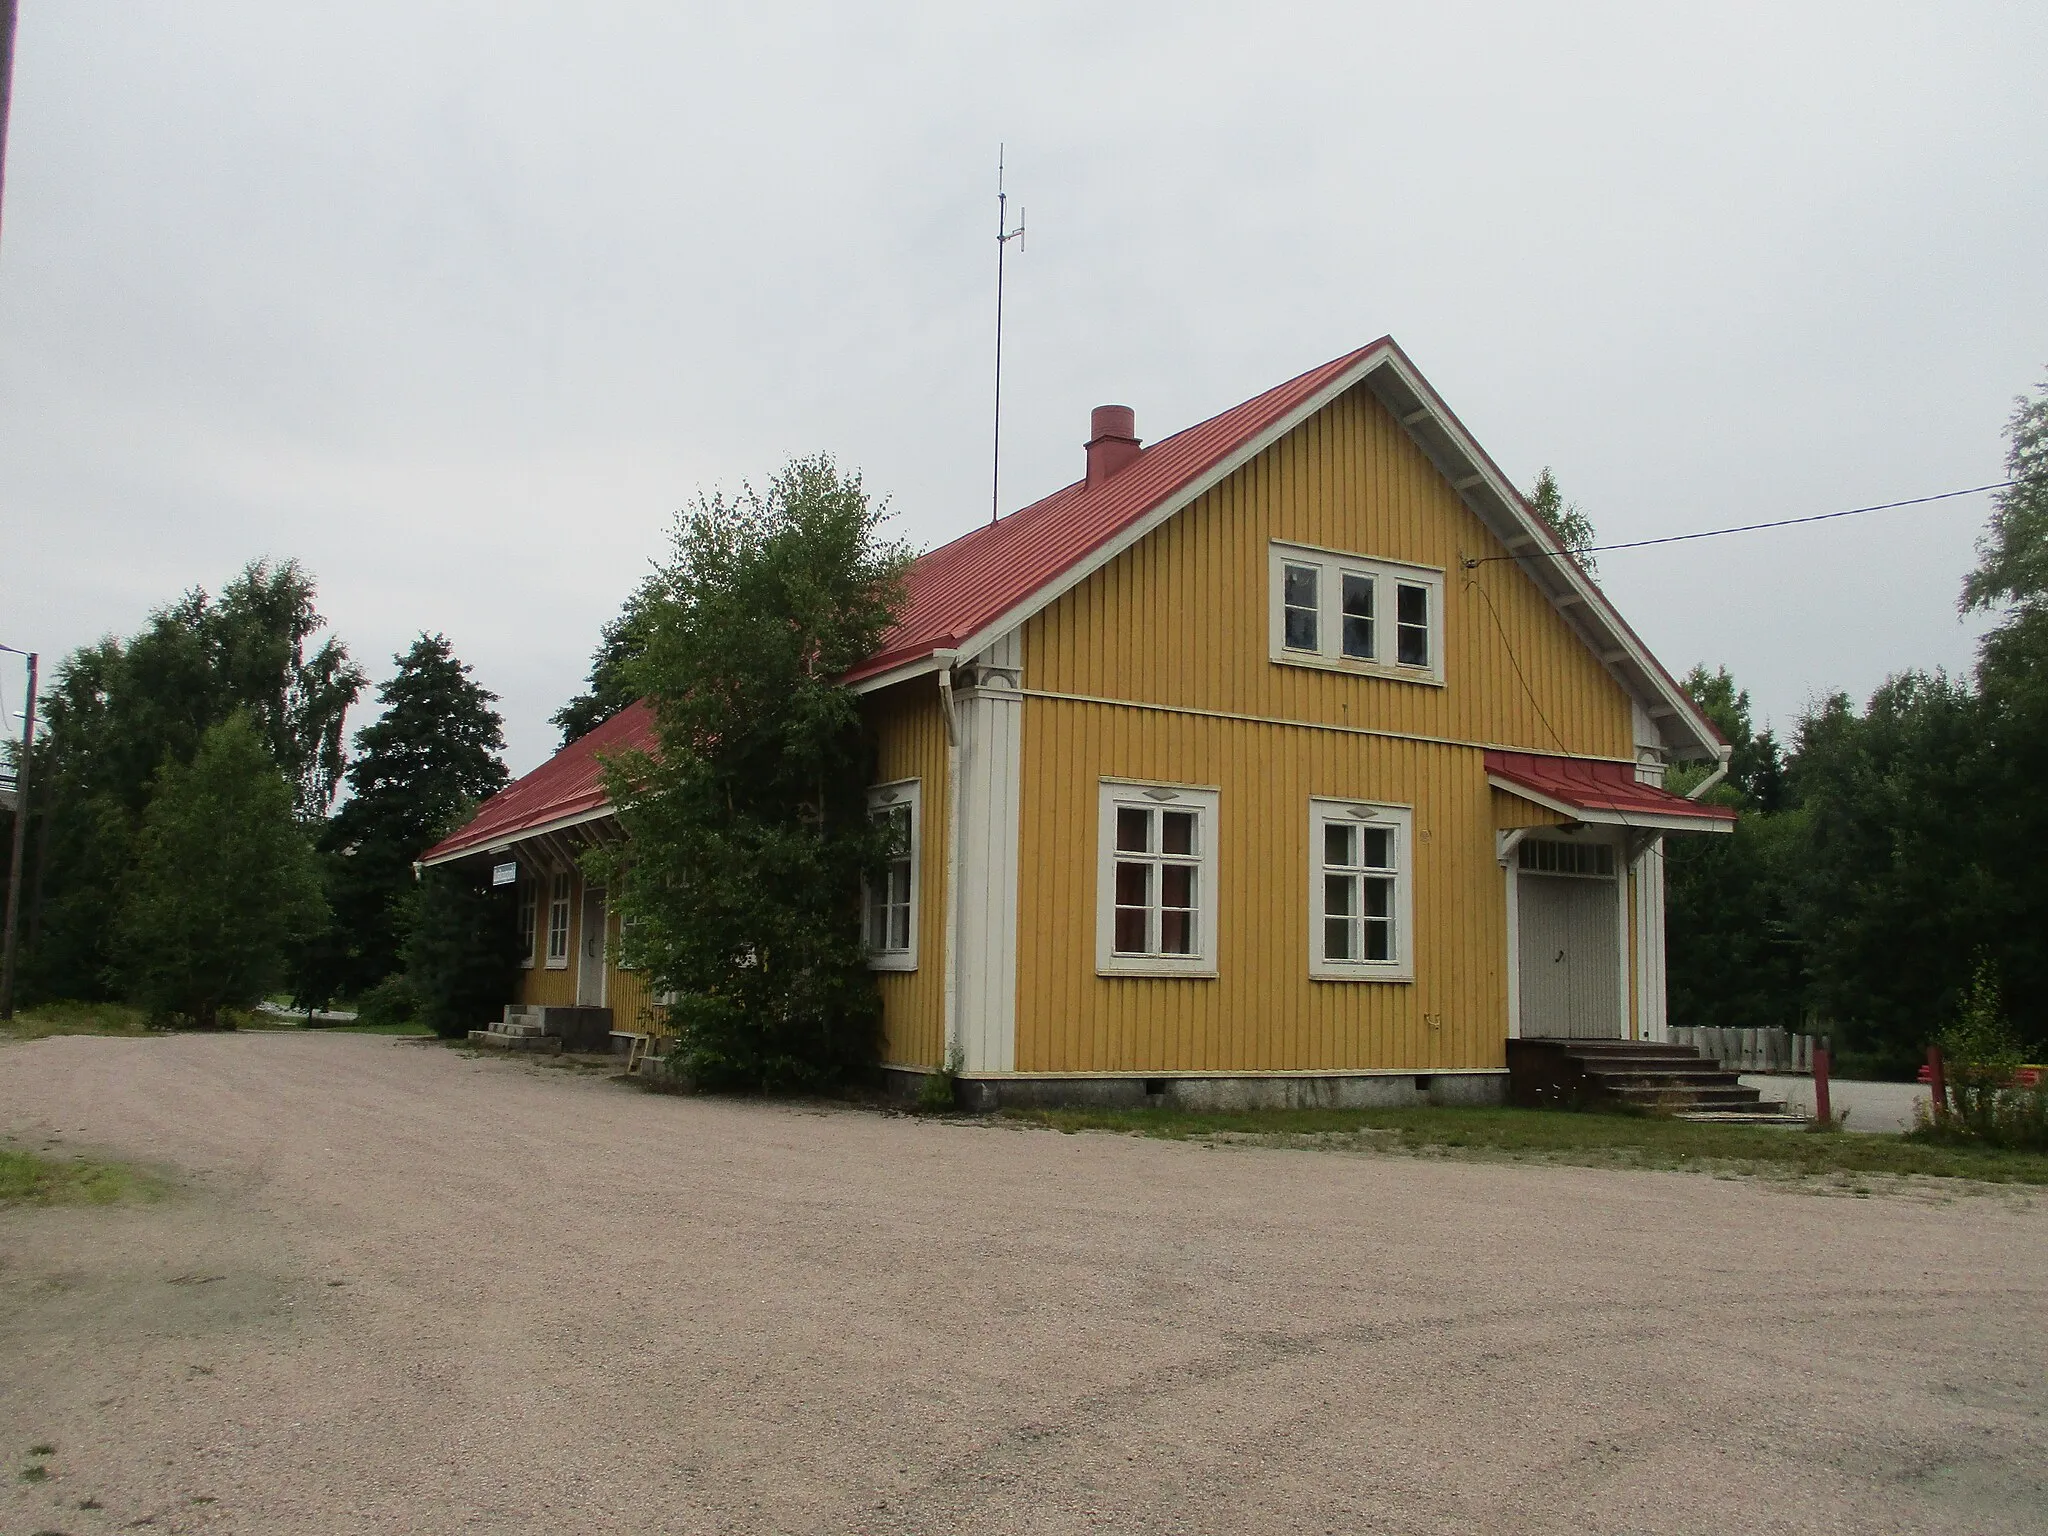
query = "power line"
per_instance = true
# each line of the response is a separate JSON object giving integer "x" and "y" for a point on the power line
{"x": 1715, "y": 533}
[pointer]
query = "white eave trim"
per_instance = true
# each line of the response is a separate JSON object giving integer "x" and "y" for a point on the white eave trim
{"x": 903, "y": 672}
{"x": 524, "y": 834}
{"x": 1649, "y": 820}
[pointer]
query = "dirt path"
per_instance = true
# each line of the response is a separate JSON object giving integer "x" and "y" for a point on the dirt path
{"x": 409, "y": 1290}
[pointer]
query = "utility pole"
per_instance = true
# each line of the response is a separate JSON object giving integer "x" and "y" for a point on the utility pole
{"x": 7, "y": 12}
{"x": 1004, "y": 235}
{"x": 21, "y": 771}
{"x": 8, "y": 9}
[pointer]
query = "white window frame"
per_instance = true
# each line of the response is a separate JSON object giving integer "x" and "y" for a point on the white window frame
{"x": 1400, "y": 819}
{"x": 1387, "y": 576}
{"x": 902, "y": 792}
{"x": 529, "y": 920}
{"x": 561, "y": 891}
{"x": 1204, "y": 801}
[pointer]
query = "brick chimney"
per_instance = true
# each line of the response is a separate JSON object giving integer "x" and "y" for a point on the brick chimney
{"x": 1112, "y": 441}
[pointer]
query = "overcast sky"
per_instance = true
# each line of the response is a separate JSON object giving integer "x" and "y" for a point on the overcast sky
{"x": 455, "y": 303}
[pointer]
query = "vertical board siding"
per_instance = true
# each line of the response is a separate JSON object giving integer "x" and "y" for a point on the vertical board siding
{"x": 910, "y": 743}
{"x": 1180, "y": 620}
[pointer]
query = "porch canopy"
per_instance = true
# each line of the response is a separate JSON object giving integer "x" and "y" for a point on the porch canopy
{"x": 1601, "y": 793}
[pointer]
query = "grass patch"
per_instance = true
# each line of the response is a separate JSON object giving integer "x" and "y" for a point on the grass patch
{"x": 29, "y": 1179}
{"x": 409, "y": 1029}
{"x": 1535, "y": 1135}
{"x": 76, "y": 1019}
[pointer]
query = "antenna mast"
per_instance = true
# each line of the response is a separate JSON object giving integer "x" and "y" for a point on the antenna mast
{"x": 1004, "y": 235}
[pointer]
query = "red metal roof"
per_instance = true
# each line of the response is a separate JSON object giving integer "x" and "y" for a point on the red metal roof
{"x": 565, "y": 786}
{"x": 1601, "y": 788}
{"x": 960, "y": 588}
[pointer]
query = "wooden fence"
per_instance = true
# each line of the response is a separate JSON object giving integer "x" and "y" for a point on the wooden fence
{"x": 1750, "y": 1050}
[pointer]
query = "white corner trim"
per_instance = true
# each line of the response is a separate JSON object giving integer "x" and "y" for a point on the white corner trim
{"x": 991, "y": 758}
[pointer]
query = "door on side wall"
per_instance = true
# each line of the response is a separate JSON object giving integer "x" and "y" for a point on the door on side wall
{"x": 1568, "y": 915}
{"x": 590, "y": 962}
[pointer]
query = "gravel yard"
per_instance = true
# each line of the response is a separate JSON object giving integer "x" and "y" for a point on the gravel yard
{"x": 402, "y": 1288}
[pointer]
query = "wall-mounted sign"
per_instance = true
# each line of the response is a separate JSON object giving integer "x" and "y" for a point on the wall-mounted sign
{"x": 504, "y": 874}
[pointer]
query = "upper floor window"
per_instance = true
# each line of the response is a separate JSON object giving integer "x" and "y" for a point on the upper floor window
{"x": 1356, "y": 614}
{"x": 1156, "y": 880}
{"x": 1361, "y": 891}
{"x": 890, "y": 915}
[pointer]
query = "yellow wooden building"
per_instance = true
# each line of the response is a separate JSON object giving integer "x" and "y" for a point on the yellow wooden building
{"x": 1286, "y": 760}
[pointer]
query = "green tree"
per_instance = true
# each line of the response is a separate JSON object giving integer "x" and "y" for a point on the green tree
{"x": 2011, "y": 579}
{"x": 1889, "y": 891}
{"x": 119, "y": 711}
{"x": 620, "y": 646}
{"x": 461, "y": 950}
{"x": 429, "y": 755}
{"x": 1733, "y": 956}
{"x": 224, "y": 882}
{"x": 747, "y": 830}
{"x": 1573, "y": 528}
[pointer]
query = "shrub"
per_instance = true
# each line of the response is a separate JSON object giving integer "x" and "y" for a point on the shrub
{"x": 1980, "y": 1058}
{"x": 462, "y": 955}
{"x": 391, "y": 1001}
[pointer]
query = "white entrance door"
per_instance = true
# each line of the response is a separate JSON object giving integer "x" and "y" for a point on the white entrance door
{"x": 1571, "y": 956}
{"x": 590, "y": 963}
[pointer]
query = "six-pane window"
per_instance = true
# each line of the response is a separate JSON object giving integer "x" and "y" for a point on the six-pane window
{"x": 1361, "y": 894}
{"x": 529, "y": 919}
{"x": 890, "y": 900}
{"x": 1158, "y": 881}
{"x": 1358, "y": 892}
{"x": 558, "y": 924}
{"x": 889, "y": 897}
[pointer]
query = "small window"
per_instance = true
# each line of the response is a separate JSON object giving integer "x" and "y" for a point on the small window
{"x": 1411, "y": 627}
{"x": 1303, "y": 608}
{"x": 558, "y": 924}
{"x": 1542, "y": 856}
{"x": 1361, "y": 893}
{"x": 529, "y": 920}
{"x": 1351, "y": 613}
{"x": 1158, "y": 881}
{"x": 889, "y": 917}
{"x": 1358, "y": 636}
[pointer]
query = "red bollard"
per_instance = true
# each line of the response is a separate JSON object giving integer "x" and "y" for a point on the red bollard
{"x": 1937, "y": 1080}
{"x": 1823, "y": 1109}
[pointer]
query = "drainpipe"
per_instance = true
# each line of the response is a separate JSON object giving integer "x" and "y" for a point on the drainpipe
{"x": 1720, "y": 772}
{"x": 946, "y": 707}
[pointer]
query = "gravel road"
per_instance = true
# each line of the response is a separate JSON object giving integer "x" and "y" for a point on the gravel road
{"x": 404, "y": 1289}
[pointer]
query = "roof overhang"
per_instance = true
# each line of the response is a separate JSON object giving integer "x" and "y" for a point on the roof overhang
{"x": 508, "y": 841}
